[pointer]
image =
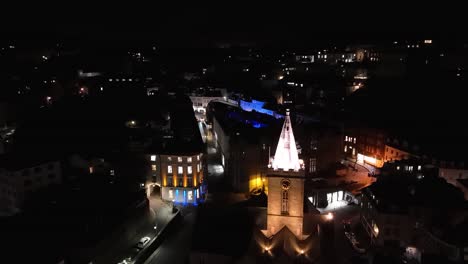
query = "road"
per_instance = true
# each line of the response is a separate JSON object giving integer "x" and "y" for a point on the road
{"x": 176, "y": 248}
{"x": 120, "y": 245}
{"x": 342, "y": 244}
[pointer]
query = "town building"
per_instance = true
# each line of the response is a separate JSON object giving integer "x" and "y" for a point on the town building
{"x": 401, "y": 212}
{"x": 22, "y": 175}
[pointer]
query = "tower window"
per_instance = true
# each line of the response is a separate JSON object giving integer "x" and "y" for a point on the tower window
{"x": 284, "y": 202}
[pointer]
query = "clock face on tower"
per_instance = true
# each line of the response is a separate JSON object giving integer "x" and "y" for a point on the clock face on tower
{"x": 285, "y": 184}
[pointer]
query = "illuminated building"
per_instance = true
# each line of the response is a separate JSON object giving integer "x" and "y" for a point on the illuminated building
{"x": 181, "y": 176}
{"x": 365, "y": 145}
{"x": 285, "y": 209}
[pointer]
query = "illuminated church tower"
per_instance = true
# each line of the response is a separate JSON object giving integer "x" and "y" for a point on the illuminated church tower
{"x": 285, "y": 186}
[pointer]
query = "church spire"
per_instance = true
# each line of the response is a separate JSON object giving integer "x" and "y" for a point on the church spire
{"x": 286, "y": 157}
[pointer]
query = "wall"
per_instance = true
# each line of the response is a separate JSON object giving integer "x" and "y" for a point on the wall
{"x": 294, "y": 220}
{"x": 451, "y": 175}
{"x": 15, "y": 186}
{"x": 392, "y": 153}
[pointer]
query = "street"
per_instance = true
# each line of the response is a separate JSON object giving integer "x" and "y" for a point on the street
{"x": 176, "y": 248}
{"x": 123, "y": 242}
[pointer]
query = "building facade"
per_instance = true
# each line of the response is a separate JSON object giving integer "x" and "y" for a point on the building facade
{"x": 17, "y": 183}
{"x": 179, "y": 176}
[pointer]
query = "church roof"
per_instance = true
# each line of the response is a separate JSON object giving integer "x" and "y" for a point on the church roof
{"x": 286, "y": 156}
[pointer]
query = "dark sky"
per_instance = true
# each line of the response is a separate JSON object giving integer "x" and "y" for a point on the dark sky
{"x": 269, "y": 22}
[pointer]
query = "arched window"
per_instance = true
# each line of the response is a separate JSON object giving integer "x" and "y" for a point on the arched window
{"x": 284, "y": 202}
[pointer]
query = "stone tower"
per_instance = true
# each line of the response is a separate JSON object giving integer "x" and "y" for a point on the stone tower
{"x": 285, "y": 185}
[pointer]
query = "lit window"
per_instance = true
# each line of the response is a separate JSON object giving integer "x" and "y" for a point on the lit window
{"x": 198, "y": 194}
{"x": 171, "y": 194}
{"x": 112, "y": 173}
{"x": 91, "y": 170}
{"x": 189, "y": 169}
{"x": 153, "y": 167}
{"x": 345, "y": 148}
{"x": 198, "y": 167}
{"x": 169, "y": 169}
{"x": 179, "y": 159}
{"x": 346, "y": 138}
{"x": 354, "y": 141}
{"x": 398, "y": 167}
{"x": 153, "y": 157}
{"x": 419, "y": 167}
{"x": 169, "y": 158}
{"x": 190, "y": 195}
{"x": 189, "y": 159}
{"x": 180, "y": 170}
{"x": 198, "y": 157}
{"x": 313, "y": 165}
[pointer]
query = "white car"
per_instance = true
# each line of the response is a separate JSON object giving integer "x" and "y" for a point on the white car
{"x": 142, "y": 243}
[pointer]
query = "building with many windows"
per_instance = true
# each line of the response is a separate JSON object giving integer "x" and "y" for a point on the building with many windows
{"x": 21, "y": 176}
{"x": 180, "y": 176}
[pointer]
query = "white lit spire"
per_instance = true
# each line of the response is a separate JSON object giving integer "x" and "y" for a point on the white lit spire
{"x": 286, "y": 157}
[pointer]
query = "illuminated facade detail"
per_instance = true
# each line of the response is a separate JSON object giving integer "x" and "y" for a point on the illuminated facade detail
{"x": 153, "y": 167}
{"x": 181, "y": 177}
{"x": 286, "y": 156}
{"x": 284, "y": 202}
{"x": 153, "y": 157}
{"x": 285, "y": 181}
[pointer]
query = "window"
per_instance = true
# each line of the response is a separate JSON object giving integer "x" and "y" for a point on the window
{"x": 346, "y": 138}
{"x": 189, "y": 169}
{"x": 190, "y": 195}
{"x": 153, "y": 167}
{"x": 198, "y": 167}
{"x": 198, "y": 157}
{"x": 354, "y": 141}
{"x": 189, "y": 159}
{"x": 169, "y": 158}
{"x": 189, "y": 181}
{"x": 112, "y": 172}
{"x": 313, "y": 165}
{"x": 345, "y": 148}
{"x": 179, "y": 159}
{"x": 180, "y": 181}
{"x": 419, "y": 167}
{"x": 180, "y": 170}
{"x": 284, "y": 202}
{"x": 398, "y": 167}
{"x": 153, "y": 157}
{"x": 170, "y": 182}
{"x": 171, "y": 194}
{"x": 169, "y": 169}
{"x": 91, "y": 170}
